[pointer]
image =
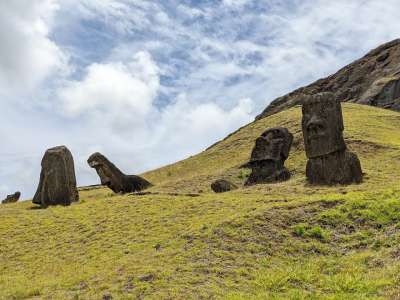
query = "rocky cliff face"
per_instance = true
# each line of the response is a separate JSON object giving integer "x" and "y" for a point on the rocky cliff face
{"x": 372, "y": 80}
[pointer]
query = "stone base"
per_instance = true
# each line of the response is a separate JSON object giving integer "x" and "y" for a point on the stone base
{"x": 257, "y": 177}
{"x": 342, "y": 167}
{"x": 133, "y": 183}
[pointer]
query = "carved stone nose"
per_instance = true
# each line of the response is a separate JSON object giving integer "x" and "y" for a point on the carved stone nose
{"x": 314, "y": 124}
{"x": 93, "y": 164}
{"x": 313, "y": 127}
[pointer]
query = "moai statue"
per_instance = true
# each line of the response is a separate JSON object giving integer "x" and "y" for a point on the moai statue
{"x": 268, "y": 157}
{"x": 112, "y": 177}
{"x": 57, "y": 185}
{"x": 12, "y": 198}
{"x": 329, "y": 161}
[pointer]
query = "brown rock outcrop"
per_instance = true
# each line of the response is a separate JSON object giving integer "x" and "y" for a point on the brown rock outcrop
{"x": 372, "y": 80}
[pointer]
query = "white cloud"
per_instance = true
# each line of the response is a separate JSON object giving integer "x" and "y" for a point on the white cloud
{"x": 27, "y": 55}
{"x": 180, "y": 130}
{"x": 235, "y": 2}
{"x": 123, "y": 16}
{"x": 117, "y": 101}
{"x": 114, "y": 104}
{"x": 117, "y": 90}
{"x": 185, "y": 126}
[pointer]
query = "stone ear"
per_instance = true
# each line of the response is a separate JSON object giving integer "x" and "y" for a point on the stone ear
{"x": 288, "y": 145}
{"x": 341, "y": 123}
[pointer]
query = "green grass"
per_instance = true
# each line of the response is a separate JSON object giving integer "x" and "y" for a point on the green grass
{"x": 275, "y": 241}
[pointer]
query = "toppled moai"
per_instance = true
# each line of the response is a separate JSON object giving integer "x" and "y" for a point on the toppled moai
{"x": 112, "y": 177}
{"x": 57, "y": 185}
{"x": 268, "y": 157}
{"x": 12, "y": 198}
{"x": 222, "y": 186}
{"x": 329, "y": 161}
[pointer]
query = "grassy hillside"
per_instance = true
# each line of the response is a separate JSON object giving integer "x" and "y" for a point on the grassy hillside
{"x": 370, "y": 132}
{"x": 276, "y": 241}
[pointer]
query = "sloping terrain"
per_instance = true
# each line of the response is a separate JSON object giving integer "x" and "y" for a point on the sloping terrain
{"x": 373, "y": 79}
{"x": 370, "y": 132}
{"x": 274, "y": 241}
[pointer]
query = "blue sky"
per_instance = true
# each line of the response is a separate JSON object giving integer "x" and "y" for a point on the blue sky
{"x": 151, "y": 82}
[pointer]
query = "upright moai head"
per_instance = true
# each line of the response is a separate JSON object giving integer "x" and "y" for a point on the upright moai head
{"x": 274, "y": 144}
{"x": 268, "y": 156}
{"x": 322, "y": 125}
{"x": 57, "y": 185}
{"x": 109, "y": 174}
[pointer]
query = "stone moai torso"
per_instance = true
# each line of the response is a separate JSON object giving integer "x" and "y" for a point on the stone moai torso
{"x": 268, "y": 157}
{"x": 112, "y": 177}
{"x": 329, "y": 161}
{"x": 12, "y": 198}
{"x": 57, "y": 185}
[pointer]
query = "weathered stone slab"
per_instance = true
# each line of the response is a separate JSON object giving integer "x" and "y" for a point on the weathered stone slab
{"x": 57, "y": 185}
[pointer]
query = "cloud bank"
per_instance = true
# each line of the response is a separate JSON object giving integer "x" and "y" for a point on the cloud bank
{"x": 28, "y": 55}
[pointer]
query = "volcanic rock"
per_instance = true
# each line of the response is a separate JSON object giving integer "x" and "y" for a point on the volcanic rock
{"x": 222, "y": 186}
{"x": 57, "y": 185}
{"x": 373, "y": 80}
